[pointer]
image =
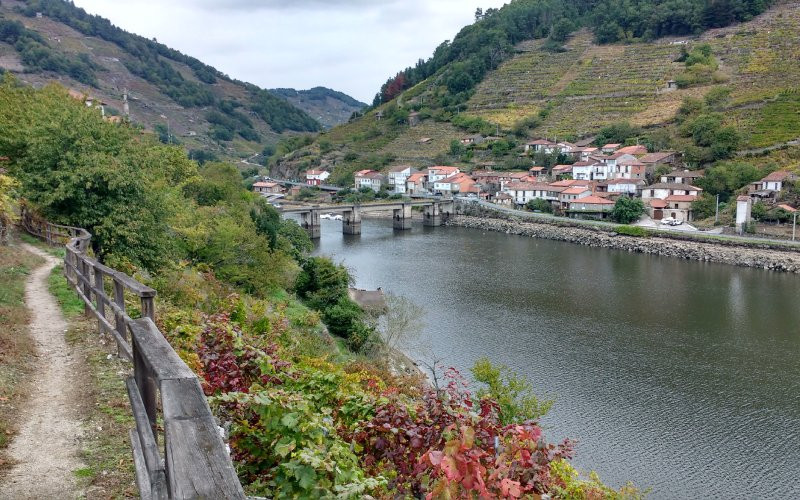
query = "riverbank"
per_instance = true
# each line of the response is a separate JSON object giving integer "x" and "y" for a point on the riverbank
{"x": 774, "y": 260}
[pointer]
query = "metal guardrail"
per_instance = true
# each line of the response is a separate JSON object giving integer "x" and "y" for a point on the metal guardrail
{"x": 194, "y": 462}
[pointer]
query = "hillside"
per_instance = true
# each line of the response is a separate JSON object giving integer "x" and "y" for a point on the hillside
{"x": 328, "y": 107}
{"x": 574, "y": 91}
{"x": 52, "y": 40}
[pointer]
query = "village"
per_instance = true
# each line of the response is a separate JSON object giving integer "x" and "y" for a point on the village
{"x": 587, "y": 188}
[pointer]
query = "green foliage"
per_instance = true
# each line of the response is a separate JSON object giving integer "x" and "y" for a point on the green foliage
{"x": 70, "y": 303}
{"x": 540, "y": 205}
{"x": 627, "y": 210}
{"x": 37, "y": 55}
{"x": 636, "y": 231}
{"x": 617, "y": 133}
{"x": 701, "y": 66}
{"x": 513, "y": 393}
{"x": 759, "y": 211}
{"x": 704, "y": 206}
{"x": 726, "y": 178}
{"x": 711, "y": 139}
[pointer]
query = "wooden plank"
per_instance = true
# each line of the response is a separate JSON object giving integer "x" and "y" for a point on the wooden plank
{"x": 144, "y": 432}
{"x": 142, "y": 476}
{"x": 183, "y": 398}
{"x": 161, "y": 359}
{"x": 198, "y": 464}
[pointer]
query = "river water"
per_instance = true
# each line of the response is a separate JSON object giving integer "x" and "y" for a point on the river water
{"x": 681, "y": 376}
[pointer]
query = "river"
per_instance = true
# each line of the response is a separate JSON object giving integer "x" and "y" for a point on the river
{"x": 681, "y": 376}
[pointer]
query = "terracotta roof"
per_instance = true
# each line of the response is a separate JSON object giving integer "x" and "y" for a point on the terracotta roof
{"x": 787, "y": 207}
{"x": 593, "y": 200}
{"x": 541, "y": 142}
{"x": 362, "y": 173}
{"x": 562, "y": 168}
{"x": 680, "y": 198}
{"x": 633, "y": 150}
{"x": 569, "y": 183}
{"x": 656, "y": 157}
{"x": 503, "y": 196}
{"x": 743, "y": 198}
{"x": 611, "y": 146}
{"x": 416, "y": 177}
{"x": 535, "y": 169}
{"x": 443, "y": 169}
{"x": 517, "y": 175}
{"x": 630, "y": 162}
{"x": 780, "y": 175}
{"x": 584, "y": 164}
{"x": 532, "y": 186}
{"x": 575, "y": 190}
{"x": 315, "y": 172}
{"x": 265, "y": 184}
{"x": 617, "y": 154}
{"x": 658, "y": 203}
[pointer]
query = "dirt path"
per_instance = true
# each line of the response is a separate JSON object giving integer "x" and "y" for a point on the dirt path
{"x": 47, "y": 446}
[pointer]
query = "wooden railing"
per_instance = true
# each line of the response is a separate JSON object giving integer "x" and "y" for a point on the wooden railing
{"x": 194, "y": 462}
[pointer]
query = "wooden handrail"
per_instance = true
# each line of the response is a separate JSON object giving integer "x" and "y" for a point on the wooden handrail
{"x": 195, "y": 462}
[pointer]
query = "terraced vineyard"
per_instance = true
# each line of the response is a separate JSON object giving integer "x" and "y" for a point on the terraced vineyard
{"x": 407, "y": 147}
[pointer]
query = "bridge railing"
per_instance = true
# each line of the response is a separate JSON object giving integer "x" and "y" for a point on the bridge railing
{"x": 193, "y": 462}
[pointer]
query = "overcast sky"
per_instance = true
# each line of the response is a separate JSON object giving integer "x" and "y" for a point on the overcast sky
{"x": 348, "y": 45}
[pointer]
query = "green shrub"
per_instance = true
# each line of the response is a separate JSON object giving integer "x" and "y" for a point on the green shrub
{"x": 637, "y": 231}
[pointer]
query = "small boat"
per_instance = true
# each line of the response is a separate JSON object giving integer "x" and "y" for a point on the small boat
{"x": 326, "y": 216}
{"x": 338, "y": 217}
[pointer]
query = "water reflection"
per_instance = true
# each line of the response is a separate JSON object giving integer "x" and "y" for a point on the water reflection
{"x": 681, "y": 375}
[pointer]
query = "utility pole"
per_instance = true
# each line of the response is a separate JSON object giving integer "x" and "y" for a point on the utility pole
{"x": 794, "y": 226}
{"x": 716, "y": 215}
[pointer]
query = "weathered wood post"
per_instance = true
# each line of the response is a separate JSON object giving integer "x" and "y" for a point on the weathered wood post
{"x": 86, "y": 285}
{"x": 119, "y": 313}
{"x": 99, "y": 284}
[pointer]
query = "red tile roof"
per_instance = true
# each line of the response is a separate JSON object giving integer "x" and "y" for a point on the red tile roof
{"x": 787, "y": 207}
{"x": 656, "y": 157}
{"x": 656, "y": 203}
{"x": 633, "y": 150}
{"x": 680, "y": 198}
{"x": 593, "y": 200}
{"x": 780, "y": 175}
{"x": 576, "y": 190}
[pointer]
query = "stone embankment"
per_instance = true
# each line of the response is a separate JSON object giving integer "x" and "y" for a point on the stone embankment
{"x": 774, "y": 260}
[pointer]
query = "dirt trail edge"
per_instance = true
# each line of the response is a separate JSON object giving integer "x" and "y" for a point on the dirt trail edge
{"x": 46, "y": 449}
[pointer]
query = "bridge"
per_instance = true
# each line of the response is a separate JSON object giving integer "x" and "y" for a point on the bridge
{"x": 434, "y": 213}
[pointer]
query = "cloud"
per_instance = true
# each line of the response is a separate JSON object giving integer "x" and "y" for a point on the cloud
{"x": 348, "y": 45}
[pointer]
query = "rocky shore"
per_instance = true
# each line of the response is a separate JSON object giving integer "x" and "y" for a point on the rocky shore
{"x": 774, "y": 260}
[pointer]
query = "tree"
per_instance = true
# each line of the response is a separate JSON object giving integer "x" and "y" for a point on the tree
{"x": 402, "y": 323}
{"x": 539, "y": 205}
{"x": 513, "y": 393}
{"x": 627, "y": 210}
{"x": 616, "y": 133}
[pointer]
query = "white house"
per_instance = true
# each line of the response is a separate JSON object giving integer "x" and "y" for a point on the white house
{"x": 583, "y": 170}
{"x": 773, "y": 182}
{"x": 523, "y": 192}
{"x": 398, "y": 177}
{"x": 440, "y": 172}
{"x": 316, "y": 177}
{"x": 661, "y": 191}
{"x": 626, "y": 186}
{"x": 370, "y": 179}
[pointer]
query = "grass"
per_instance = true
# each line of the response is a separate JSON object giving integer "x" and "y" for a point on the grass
{"x": 105, "y": 449}
{"x": 16, "y": 346}
{"x": 70, "y": 303}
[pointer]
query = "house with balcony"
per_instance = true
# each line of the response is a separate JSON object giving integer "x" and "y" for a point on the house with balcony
{"x": 397, "y": 177}
{"x": 369, "y": 179}
{"x": 316, "y": 177}
{"x": 590, "y": 207}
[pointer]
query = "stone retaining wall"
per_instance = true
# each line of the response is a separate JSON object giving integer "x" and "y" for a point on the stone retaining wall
{"x": 775, "y": 260}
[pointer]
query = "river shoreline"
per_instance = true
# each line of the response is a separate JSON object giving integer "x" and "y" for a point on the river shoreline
{"x": 768, "y": 259}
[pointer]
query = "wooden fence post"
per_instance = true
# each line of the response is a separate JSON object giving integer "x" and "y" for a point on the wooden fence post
{"x": 149, "y": 308}
{"x": 119, "y": 320}
{"x": 99, "y": 284}
{"x": 85, "y": 285}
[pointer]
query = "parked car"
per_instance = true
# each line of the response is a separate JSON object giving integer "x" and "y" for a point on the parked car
{"x": 671, "y": 222}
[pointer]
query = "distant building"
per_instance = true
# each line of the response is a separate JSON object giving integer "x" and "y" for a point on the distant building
{"x": 440, "y": 172}
{"x": 398, "y": 176}
{"x": 744, "y": 211}
{"x": 316, "y": 177}
{"x": 590, "y": 207}
{"x": 370, "y": 179}
{"x": 682, "y": 176}
{"x": 267, "y": 188}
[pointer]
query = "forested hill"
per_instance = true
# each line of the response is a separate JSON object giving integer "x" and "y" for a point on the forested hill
{"x": 45, "y": 40}
{"x": 672, "y": 74}
{"x": 329, "y": 107}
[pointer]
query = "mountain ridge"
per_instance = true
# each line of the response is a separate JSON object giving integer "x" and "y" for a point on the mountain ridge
{"x": 182, "y": 98}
